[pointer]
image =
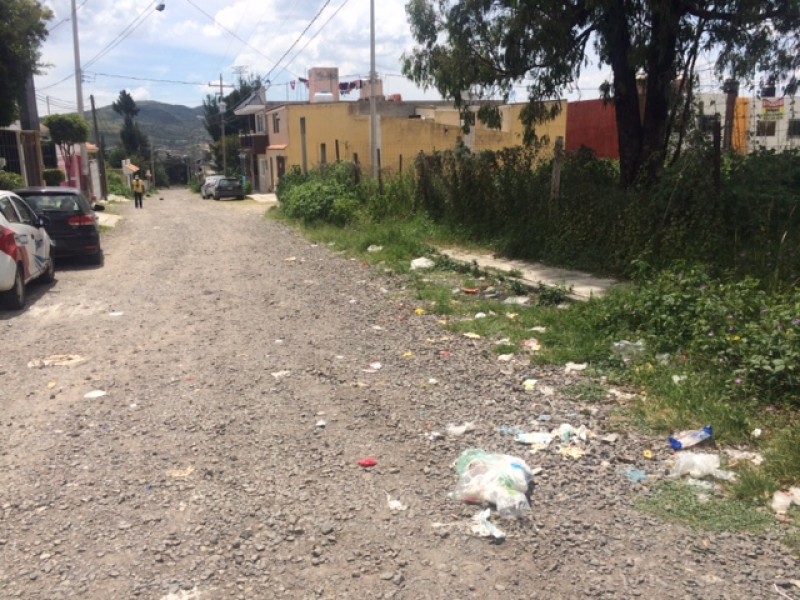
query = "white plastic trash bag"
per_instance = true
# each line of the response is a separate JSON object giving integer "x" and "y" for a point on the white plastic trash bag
{"x": 499, "y": 479}
{"x": 422, "y": 262}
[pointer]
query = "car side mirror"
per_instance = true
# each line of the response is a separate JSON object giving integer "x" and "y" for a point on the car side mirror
{"x": 99, "y": 207}
{"x": 43, "y": 221}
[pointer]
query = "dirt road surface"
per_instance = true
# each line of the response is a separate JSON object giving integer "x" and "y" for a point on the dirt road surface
{"x": 223, "y": 341}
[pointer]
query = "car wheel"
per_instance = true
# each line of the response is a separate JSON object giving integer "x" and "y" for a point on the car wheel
{"x": 49, "y": 274}
{"x": 15, "y": 297}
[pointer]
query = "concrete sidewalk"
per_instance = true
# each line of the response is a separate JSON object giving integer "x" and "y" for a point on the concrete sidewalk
{"x": 584, "y": 286}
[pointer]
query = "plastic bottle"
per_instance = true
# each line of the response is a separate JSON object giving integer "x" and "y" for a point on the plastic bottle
{"x": 687, "y": 439}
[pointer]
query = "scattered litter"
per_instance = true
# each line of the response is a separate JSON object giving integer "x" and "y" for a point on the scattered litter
{"x": 434, "y": 435}
{"x": 505, "y": 357}
{"x": 517, "y": 300}
{"x": 367, "y": 463}
{"x": 547, "y": 390}
{"x": 193, "y": 594}
{"x": 471, "y": 335}
{"x": 538, "y": 329}
{"x": 281, "y": 374}
{"x": 181, "y": 472}
{"x": 635, "y": 475}
{"x": 699, "y": 483}
{"x": 374, "y": 248}
{"x": 687, "y": 439}
{"x": 479, "y": 315}
{"x": 506, "y": 430}
{"x": 611, "y": 438}
{"x": 377, "y": 328}
{"x": 782, "y": 501}
{"x": 322, "y": 423}
{"x": 422, "y": 263}
{"x": 698, "y": 466}
{"x": 566, "y": 432}
{"x": 459, "y": 430}
{"x": 57, "y": 360}
{"x": 538, "y": 439}
{"x": 373, "y": 367}
{"x": 572, "y": 452}
{"x": 529, "y": 384}
{"x": 470, "y": 290}
{"x": 532, "y": 345}
{"x": 544, "y": 418}
{"x": 94, "y": 394}
{"x": 116, "y": 313}
{"x": 499, "y": 479}
{"x": 482, "y": 527}
{"x": 51, "y": 385}
{"x": 512, "y": 316}
{"x": 290, "y": 259}
{"x": 648, "y": 454}
{"x": 419, "y": 312}
{"x": 574, "y": 367}
{"x": 738, "y": 456}
{"x": 394, "y": 504}
{"x": 432, "y": 381}
{"x": 627, "y": 351}
{"x": 756, "y": 433}
{"x": 678, "y": 379}
{"x": 620, "y": 395}
{"x": 408, "y": 354}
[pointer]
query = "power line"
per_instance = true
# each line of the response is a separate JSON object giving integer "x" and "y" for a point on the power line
{"x": 132, "y": 26}
{"x": 311, "y": 39}
{"x": 65, "y": 19}
{"x": 299, "y": 37}
{"x": 172, "y": 81}
{"x": 221, "y": 26}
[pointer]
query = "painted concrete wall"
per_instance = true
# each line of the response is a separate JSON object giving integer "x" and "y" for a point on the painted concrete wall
{"x": 592, "y": 123}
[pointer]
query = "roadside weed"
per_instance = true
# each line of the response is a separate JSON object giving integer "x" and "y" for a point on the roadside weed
{"x": 675, "y": 501}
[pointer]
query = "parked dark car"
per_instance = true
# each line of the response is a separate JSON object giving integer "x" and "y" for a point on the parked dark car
{"x": 72, "y": 222}
{"x": 228, "y": 187}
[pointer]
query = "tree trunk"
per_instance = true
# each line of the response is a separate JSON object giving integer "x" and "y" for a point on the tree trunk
{"x": 665, "y": 21}
{"x": 626, "y": 96}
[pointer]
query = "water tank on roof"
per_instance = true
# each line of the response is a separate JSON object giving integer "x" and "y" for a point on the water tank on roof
{"x": 320, "y": 97}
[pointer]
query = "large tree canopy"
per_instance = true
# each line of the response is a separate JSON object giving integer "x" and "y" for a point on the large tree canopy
{"x": 475, "y": 50}
{"x": 22, "y": 31}
{"x": 67, "y": 131}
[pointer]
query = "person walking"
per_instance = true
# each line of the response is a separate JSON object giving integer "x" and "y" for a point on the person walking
{"x": 138, "y": 191}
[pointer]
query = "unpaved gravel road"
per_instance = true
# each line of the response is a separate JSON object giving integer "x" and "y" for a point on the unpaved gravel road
{"x": 203, "y": 474}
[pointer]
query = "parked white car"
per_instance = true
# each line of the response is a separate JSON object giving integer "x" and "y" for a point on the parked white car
{"x": 25, "y": 250}
{"x": 210, "y": 182}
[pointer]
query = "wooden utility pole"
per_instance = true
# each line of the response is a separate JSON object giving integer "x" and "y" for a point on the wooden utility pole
{"x": 222, "y": 106}
{"x": 558, "y": 158}
{"x": 731, "y": 88}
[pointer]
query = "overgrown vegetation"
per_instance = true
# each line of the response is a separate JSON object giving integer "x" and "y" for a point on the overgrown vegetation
{"x": 117, "y": 186}
{"x": 711, "y": 312}
{"x": 10, "y": 181}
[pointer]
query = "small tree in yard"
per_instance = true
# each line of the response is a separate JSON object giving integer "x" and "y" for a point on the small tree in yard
{"x": 66, "y": 131}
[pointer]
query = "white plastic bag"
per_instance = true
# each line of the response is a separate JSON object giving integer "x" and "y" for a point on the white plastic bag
{"x": 698, "y": 466}
{"x": 499, "y": 479}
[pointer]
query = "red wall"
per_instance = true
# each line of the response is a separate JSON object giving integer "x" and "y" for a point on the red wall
{"x": 592, "y": 123}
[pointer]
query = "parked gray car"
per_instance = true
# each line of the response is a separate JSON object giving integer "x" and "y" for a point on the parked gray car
{"x": 207, "y": 189}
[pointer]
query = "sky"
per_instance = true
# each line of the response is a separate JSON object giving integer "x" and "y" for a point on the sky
{"x": 177, "y": 55}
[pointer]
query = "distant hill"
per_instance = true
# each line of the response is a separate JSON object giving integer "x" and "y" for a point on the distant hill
{"x": 169, "y": 126}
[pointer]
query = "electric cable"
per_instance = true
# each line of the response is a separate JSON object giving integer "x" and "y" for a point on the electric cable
{"x": 311, "y": 39}
{"x": 299, "y": 37}
{"x": 132, "y": 26}
{"x": 65, "y": 19}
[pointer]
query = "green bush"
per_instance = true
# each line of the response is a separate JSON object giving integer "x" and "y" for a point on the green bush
{"x": 317, "y": 200}
{"x": 116, "y": 186}
{"x": 54, "y": 176}
{"x": 290, "y": 180}
{"x": 10, "y": 181}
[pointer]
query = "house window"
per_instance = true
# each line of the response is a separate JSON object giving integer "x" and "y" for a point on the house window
{"x": 260, "y": 124}
{"x": 323, "y": 154}
{"x": 765, "y": 128}
{"x": 276, "y": 124}
{"x": 705, "y": 123}
{"x": 794, "y": 128}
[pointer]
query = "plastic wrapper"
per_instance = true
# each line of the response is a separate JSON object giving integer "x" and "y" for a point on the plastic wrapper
{"x": 499, "y": 479}
{"x": 687, "y": 439}
{"x": 699, "y": 466}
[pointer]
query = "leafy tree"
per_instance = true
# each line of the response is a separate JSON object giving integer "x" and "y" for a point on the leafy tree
{"x": 67, "y": 131}
{"x": 476, "y": 50}
{"x": 134, "y": 141}
{"x": 211, "y": 109}
{"x": 22, "y": 31}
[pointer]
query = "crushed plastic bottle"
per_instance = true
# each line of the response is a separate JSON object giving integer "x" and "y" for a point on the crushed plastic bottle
{"x": 687, "y": 439}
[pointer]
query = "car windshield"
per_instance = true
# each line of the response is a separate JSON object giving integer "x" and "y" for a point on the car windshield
{"x": 228, "y": 183}
{"x": 53, "y": 202}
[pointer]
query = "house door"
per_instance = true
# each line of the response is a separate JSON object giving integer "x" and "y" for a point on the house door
{"x": 281, "y": 166}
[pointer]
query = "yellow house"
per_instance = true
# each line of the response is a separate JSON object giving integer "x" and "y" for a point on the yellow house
{"x": 313, "y": 134}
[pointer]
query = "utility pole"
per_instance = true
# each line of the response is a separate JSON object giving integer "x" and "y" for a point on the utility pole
{"x": 373, "y": 119}
{"x": 101, "y": 160}
{"x": 222, "y": 106}
{"x": 731, "y": 89}
{"x": 79, "y": 94}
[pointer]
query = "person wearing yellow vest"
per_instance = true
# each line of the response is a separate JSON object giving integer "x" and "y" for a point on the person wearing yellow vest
{"x": 138, "y": 191}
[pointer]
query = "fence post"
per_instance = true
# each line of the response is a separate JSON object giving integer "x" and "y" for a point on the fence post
{"x": 337, "y": 151}
{"x": 717, "y": 155}
{"x": 558, "y": 158}
{"x": 380, "y": 175}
